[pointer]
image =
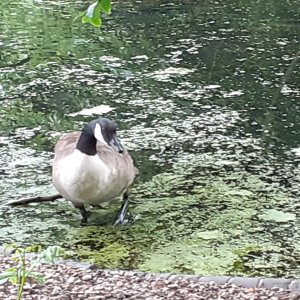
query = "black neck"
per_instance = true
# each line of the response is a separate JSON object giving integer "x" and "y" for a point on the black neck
{"x": 87, "y": 143}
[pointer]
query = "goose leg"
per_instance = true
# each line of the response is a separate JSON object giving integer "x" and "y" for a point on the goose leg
{"x": 120, "y": 217}
{"x": 85, "y": 214}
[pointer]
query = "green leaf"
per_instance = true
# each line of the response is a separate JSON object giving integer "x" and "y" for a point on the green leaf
{"x": 10, "y": 247}
{"x": 7, "y": 275}
{"x": 13, "y": 280}
{"x": 85, "y": 19}
{"x": 92, "y": 15}
{"x": 12, "y": 269}
{"x": 50, "y": 254}
{"x": 33, "y": 248}
{"x": 96, "y": 22}
{"x": 91, "y": 10}
{"x": 15, "y": 258}
{"x": 277, "y": 216}
{"x": 105, "y": 6}
{"x": 38, "y": 277}
{"x": 2, "y": 281}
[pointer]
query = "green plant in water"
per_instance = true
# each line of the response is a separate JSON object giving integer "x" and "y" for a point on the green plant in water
{"x": 24, "y": 268}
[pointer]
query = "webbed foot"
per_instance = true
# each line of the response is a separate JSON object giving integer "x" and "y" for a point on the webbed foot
{"x": 120, "y": 217}
{"x": 84, "y": 218}
{"x": 85, "y": 214}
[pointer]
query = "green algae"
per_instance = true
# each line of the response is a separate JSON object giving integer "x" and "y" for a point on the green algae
{"x": 191, "y": 256}
{"x": 110, "y": 256}
{"x": 110, "y": 247}
{"x": 204, "y": 215}
{"x": 213, "y": 229}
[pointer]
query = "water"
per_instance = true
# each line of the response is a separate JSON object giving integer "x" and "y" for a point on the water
{"x": 206, "y": 98}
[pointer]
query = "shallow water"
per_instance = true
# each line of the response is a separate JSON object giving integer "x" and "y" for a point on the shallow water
{"x": 206, "y": 98}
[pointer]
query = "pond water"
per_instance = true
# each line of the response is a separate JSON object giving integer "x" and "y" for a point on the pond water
{"x": 206, "y": 97}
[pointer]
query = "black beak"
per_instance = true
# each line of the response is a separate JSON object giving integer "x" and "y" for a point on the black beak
{"x": 116, "y": 145}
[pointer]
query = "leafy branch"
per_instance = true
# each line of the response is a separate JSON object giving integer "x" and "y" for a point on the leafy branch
{"x": 93, "y": 13}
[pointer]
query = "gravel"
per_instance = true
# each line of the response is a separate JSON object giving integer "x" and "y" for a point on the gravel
{"x": 67, "y": 282}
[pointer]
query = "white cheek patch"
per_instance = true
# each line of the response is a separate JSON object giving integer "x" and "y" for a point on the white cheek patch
{"x": 98, "y": 134}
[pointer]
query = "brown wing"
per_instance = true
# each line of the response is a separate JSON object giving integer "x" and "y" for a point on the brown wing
{"x": 66, "y": 144}
{"x": 121, "y": 161}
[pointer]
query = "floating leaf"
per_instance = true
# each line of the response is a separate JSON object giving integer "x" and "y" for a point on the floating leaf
{"x": 277, "y": 216}
{"x": 209, "y": 235}
{"x": 96, "y": 110}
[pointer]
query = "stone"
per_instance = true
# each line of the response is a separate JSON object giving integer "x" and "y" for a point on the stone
{"x": 71, "y": 280}
{"x": 87, "y": 277}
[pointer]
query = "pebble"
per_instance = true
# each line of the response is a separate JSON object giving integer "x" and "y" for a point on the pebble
{"x": 295, "y": 296}
{"x": 71, "y": 280}
{"x": 87, "y": 277}
{"x": 67, "y": 282}
{"x": 56, "y": 290}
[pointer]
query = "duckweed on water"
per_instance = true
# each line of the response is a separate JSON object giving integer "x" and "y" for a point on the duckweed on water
{"x": 212, "y": 211}
{"x": 217, "y": 229}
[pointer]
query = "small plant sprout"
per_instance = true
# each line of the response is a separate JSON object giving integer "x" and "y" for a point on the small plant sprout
{"x": 24, "y": 267}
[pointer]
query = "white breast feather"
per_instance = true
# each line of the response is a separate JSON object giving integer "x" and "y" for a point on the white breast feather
{"x": 87, "y": 179}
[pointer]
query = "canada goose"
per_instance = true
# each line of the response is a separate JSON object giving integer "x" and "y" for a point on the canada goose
{"x": 92, "y": 167}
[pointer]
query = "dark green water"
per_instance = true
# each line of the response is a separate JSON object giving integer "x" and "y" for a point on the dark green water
{"x": 206, "y": 96}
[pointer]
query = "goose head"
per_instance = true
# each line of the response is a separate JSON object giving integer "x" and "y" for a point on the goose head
{"x": 102, "y": 130}
{"x": 105, "y": 131}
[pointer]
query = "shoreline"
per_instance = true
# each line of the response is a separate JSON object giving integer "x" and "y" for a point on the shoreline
{"x": 72, "y": 280}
